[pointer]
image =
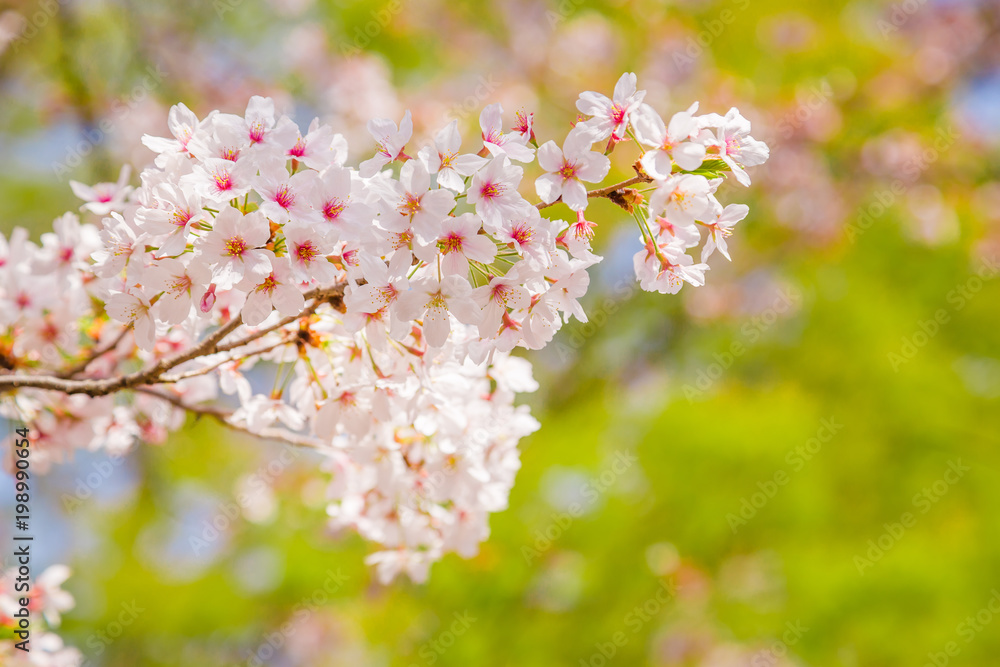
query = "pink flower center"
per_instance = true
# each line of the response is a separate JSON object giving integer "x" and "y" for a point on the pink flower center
{"x": 436, "y": 300}
{"x": 66, "y": 255}
{"x": 451, "y": 243}
{"x": 180, "y": 217}
{"x": 386, "y": 295}
{"x": 269, "y": 284}
{"x": 299, "y": 149}
{"x": 284, "y": 197}
{"x": 568, "y": 170}
{"x": 306, "y": 251}
{"x": 257, "y": 132}
{"x": 522, "y": 122}
{"x": 491, "y": 190}
{"x": 180, "y": 283}
{"x": 522, "y": 233}
{"x": 402, "y": 240}
{"x": 495, "y": 136}
{"x": 223, "y": 181}
{"x": 618, "y": 113}
{"x": 333, "y": 208}
{"x": 236, "y": 246}
{"x": 501, "y": 292}
{"x": 410, "y": 205}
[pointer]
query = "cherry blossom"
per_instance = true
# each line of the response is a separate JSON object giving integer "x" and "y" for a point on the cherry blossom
{"x": 277, "y": 291}
{"x": 232, "y": 248}
{"x": 610, "y": 116}
{"x": 46, "y": 602}
{"x": 569, "y": 168}
{"x": 444, "y": 160}
{"x": 102, "y": 198}
{"x": 673, "y": 143}
{"x": 434, "y": 301}
{"x": 458, "y": 242}
{"x": 734, "y": 144}
{"x": 494, "y": 193}
{"x": 390, "y": 141}
{"x": 497, "y": 142}
{"x": 383, "y": 308}
{"x": 721, "y": 228}
{"x": 319, "y": 148}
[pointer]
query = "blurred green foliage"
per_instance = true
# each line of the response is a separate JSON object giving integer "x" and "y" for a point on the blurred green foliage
{"x": 547, "y": 590}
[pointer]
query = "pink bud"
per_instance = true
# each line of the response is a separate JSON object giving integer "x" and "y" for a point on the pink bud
{"x": 208, "y": 300}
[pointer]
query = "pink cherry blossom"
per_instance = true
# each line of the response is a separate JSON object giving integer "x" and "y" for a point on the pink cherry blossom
{"x": 569, "y": 168}
{"x": 233, "y": 248}
{"x": 610, "y": 117}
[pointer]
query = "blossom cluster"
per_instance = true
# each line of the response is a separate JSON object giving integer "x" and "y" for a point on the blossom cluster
{"x": 39, "y": 646}
{"x": 387, "y": 299}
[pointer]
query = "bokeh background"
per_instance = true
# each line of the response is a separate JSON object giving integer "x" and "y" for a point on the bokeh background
{"x": 740, "y": 459}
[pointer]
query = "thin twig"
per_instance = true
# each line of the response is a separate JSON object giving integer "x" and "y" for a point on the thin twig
{"x": 170, "y": 379}
{"x": 223, "y": 418}
{"x": 94, "y": 355}
{"x": 152, "y": 375}
{"x": 604, "y": 192}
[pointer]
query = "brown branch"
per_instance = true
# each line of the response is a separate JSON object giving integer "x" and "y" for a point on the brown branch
{"x": 331, "y": 295}
{"x": 223, "y": 417}
{"x": 95, "y": 354}
{"x": 605, "y": 192}
{"x": 152, "y": 375}
{"x": 170, "y": 379}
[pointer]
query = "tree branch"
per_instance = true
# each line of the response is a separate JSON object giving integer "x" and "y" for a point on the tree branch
{"x": 222, "y": 417}
{"x": 95, "y": 354}
{"x": 605, "y": 192}
{"x": 152, "y": 375}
